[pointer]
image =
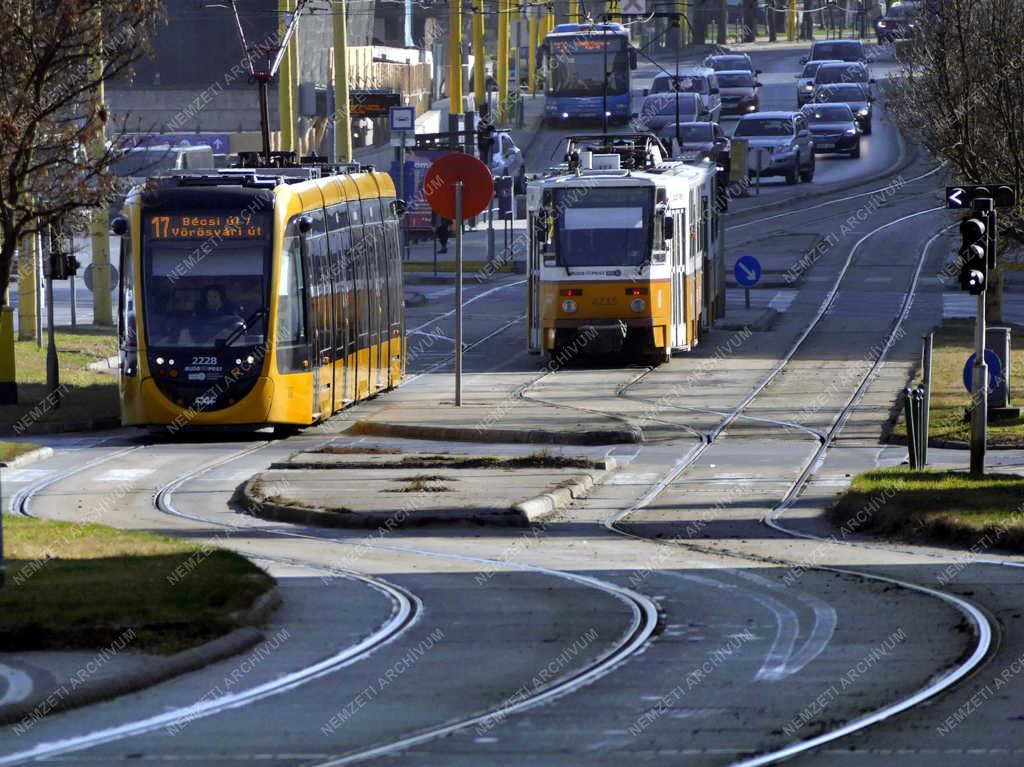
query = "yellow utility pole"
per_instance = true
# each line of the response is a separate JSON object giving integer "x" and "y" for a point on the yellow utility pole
{"x": 503, "y": 44}
{"x": 285, "y": 97}
{"x": 791, "y": 21}
{"x": 296, "y": 73}
{"x": 684, "y": 23}
{"x": 455, "y": 57}
{"x": 28, "y": 278}
{"x": 479, "y": 57}
{"x": 574, "y": 11}
{"x": 99, "y": 223}
{"x": 533, "y": 26}
{"x": 342, "y": 118}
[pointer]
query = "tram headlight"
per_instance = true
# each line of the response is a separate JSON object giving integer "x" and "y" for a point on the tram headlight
{"x": 569, "y": 306}
{"x": 637, "y": 304}
{"x": 159, "y": 360}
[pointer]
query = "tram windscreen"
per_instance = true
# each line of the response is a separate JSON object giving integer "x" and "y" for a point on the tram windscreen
{"x": 577, "y": 66}
{"x": 603, "y": 226}
{"x": 208, "y": 290}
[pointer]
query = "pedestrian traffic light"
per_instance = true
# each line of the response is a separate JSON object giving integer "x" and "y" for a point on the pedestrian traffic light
{"x": 60, "y": 266}
{"x": 974, "y": 254}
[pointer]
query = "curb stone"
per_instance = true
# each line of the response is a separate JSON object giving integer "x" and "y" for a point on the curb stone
{"x": 515, "y": 436}
{"x": 157, "y": 670}
{"x": 537, "y": 508}
{"x": 39, "y": 454}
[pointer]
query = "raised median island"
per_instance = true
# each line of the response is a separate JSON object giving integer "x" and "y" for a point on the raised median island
{"x": 386, "y": 488}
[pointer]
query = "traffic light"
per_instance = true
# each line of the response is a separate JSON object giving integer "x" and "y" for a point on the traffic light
{"x": 60, "y": 266}
{"x": 974, "y": 254}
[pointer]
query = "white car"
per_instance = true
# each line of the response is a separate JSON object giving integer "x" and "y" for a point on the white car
{"x": 507, "y": 160}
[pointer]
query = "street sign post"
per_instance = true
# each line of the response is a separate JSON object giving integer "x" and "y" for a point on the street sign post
{"x": 402, "y": 120}
{"x": 458, "y": 186}
{"x": 747, "y": 272}
{"x": 759, "y": 159}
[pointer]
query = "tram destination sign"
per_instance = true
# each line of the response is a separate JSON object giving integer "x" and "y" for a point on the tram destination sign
{"x": 205, "y": 226}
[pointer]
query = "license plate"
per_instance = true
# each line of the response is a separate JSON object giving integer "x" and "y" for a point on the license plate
{"x": 824, "y": 144}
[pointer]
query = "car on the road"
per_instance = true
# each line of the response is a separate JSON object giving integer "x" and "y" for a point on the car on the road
{"x": 700, "y": 80}
{"x": 844, "y": 50}
{"x": 845, "y": 72}
{"x": 854, "y": 95}
{"x": 729, "y": 62}
{"x": 697, "y": 140}
{"x": 507, "y": 160}
{"x": 738, "y": 91}
{"x": 805, "y": 80}
{"x": 786, "y": 136}
{"x": 833, "y": 128}
{"x": 660, "y": 109}
{"x": 901, "y": 21}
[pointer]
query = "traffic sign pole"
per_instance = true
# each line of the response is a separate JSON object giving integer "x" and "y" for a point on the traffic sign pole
{"x": 458, "y": 294}
{"x": 979, "y": 414}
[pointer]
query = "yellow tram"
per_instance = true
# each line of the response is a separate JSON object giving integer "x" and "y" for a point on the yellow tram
{"x": 258, "y": 297}
{"x": 626, "y": 251}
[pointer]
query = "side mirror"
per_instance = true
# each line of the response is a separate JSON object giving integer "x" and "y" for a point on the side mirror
{"x": 757, "y": 83}
{"x": 803, "y": 133}
{"x": 804, "y": 60}
{"x": 632, "y": 59}
{"x": 872, "y": 81}
{"x": 758, "y": 71}
{"x": 669, "y": 227}
{"x": 797, "y": 77}
{"x": 635, "y": 115}
{"x": 399, "y": 207}
{"x": 119, "y": 226}
{"x": 647, "y": 92}
{"x": 713, "y": 91}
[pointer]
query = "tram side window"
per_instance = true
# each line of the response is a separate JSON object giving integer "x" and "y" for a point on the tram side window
{"x": 291, "y": 305}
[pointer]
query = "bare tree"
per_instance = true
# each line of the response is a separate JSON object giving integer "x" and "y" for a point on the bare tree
{"x": 960, "y": 92}
{"x": 53, "y": 56}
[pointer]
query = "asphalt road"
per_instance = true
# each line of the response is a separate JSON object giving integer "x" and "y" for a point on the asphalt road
{"x": 695, "y": 610}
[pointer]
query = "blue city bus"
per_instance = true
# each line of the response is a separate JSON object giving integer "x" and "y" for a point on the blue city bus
{"x": 574, "y": 58}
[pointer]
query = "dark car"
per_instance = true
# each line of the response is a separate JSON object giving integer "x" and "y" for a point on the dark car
{"x": 786, "y": 138}
{"x": 833, "y": 128}
{"x": 844, "y": 50}
{"x": 738, "y": 91}
{"x": 729, "y": 62}
{"x": 805, "y": 80}
{"x": 660, "y": 109}
{"x": 697, "y": 140}
{"x": 900, "y": 22}
{"x": 846, "y": 72}
{"x": 854, "y": 95}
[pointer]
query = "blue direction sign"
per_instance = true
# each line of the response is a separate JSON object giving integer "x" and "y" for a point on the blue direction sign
{"x": 219, "y": 142}
{"x": 401, "y": 119}
{"x": 995, "y": 371}
{"x": 747, "y": 271}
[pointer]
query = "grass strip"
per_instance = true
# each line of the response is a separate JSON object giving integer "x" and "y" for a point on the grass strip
{"x": 78, "y": 586}
{"x": 935, "y": 505}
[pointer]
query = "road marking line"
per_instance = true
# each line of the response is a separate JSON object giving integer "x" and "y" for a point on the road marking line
{"x": 123, "y": 475}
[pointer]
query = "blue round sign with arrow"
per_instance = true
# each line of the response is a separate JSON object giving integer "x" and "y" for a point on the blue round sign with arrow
{"x": 995, "y": 371}
{"x": 747, "y": 271}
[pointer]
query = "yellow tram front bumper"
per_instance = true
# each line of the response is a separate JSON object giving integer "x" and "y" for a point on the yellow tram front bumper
{"x": 152, "y": 408}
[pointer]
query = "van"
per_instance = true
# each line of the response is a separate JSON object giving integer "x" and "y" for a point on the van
{"x": 700, "y": 80}
{"x": 843, "y": 50}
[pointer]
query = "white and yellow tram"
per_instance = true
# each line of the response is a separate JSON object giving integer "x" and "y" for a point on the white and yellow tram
{"x": 626, "y": 251}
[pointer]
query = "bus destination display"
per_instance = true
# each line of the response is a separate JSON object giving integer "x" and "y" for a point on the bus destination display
{"x": 203, "y": 226}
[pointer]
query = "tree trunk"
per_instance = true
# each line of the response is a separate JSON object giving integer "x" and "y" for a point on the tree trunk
{"x": 723, "y": 21}
{"x": 749, "y": 21}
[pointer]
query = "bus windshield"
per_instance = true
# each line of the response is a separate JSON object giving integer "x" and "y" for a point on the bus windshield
{"x": 577, "y": 65}
{"x": 604, "y": 226}
{"x": 205, "y": 291}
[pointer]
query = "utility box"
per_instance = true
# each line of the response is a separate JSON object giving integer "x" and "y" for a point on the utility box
{"x": 738, "y": 172}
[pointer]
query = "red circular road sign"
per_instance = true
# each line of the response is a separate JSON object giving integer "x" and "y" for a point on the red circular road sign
{"x": 477, "y": 185}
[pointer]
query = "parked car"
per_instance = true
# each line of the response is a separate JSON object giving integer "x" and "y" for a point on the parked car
{"x": 697, "y": 141}
{"x": 700, "y": 80}
{"x": 844, "y": 50}
{"x": 805, "y": 80}
{"x": 833, "y": 128}
{"x": 901, "y": 21}
{"x": 738, "y": 91}
{"x": 787, "y": 137}
{"x": 730, "y": 62}
{"x": 854, "y": 95}
{"x": 660, "y": 109}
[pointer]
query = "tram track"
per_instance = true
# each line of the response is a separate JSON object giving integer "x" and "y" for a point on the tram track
{"x": 983, "y": 626}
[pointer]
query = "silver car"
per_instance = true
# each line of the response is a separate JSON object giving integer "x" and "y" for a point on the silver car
{"x": 805, "y": 80}
{"x": 700, "y": 80}
{"x": 788, "y": 138}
